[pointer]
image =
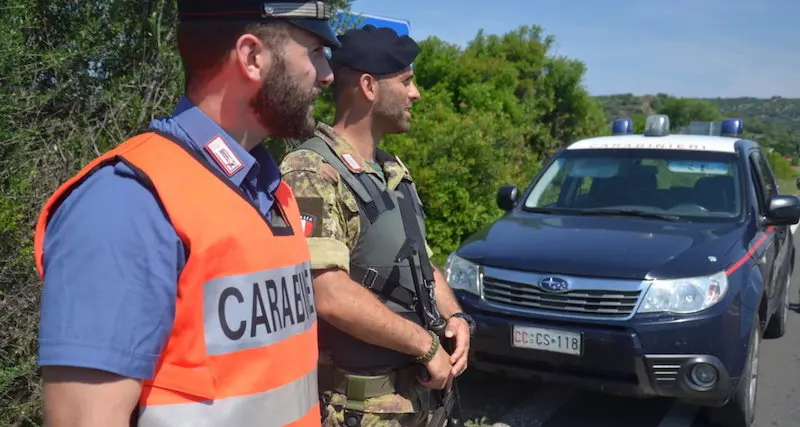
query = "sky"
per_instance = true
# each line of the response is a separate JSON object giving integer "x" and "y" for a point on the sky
{"x": 700, "y": 48}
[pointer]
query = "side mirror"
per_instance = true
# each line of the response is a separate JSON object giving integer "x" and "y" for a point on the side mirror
{"x": 784, "y": 210}
{"x": 798, "y": 183}
{"x": 507, "y": 197}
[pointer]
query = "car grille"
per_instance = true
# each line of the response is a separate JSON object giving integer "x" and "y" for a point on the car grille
{"x": 665, "y": 369}
{"x": 583, "y": 302}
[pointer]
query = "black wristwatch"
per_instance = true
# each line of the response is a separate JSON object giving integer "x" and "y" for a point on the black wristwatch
{"x": 469, "y": 319}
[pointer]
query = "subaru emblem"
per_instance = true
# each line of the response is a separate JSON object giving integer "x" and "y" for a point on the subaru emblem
{"x": 553, "y": 284}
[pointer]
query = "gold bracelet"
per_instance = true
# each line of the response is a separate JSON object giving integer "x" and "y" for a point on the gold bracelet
{"x": 425, "y": 358}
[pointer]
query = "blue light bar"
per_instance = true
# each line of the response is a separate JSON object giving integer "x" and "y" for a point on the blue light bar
{"x": 732, "y": 128}
{"x": 622, "y": 127}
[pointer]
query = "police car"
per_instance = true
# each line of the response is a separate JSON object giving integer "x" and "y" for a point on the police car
{"x": 640, "y": 265}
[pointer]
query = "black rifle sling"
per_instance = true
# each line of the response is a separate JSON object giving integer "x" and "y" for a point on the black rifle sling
{"x": 408, "y": 212}
{"x": 388, "y": 288}
{"x": 412, "y": 227}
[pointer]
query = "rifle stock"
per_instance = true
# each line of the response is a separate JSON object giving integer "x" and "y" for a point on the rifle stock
{"x": 441, "y": 416}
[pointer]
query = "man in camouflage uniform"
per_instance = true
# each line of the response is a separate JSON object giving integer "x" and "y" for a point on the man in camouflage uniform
{"x": 359, "y": 205}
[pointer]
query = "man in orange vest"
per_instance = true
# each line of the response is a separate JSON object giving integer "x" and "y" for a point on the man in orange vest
{"x": 177, "y": 287}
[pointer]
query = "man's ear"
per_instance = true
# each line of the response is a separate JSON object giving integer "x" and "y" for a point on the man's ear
{"x": 369, "y": 86}
{"x": 252, "y": 57}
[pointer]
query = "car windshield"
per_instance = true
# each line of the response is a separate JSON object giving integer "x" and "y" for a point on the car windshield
{"x": 666, "y": 184}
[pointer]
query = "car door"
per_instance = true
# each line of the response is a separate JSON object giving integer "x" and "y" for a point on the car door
{"x": 767, "y": 255}
{"x": 782, "y": 233}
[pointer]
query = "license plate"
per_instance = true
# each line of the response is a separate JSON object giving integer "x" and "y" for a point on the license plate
{"x": 547, "y": 340}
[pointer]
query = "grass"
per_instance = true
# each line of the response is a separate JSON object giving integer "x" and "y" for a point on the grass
{"x": 788, "y": 186}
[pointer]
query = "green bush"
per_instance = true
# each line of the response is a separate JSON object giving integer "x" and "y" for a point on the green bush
{"x": 781, "y": 166}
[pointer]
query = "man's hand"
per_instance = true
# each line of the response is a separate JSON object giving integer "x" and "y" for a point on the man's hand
{"x": 458, "y": 328}
{"x": 439, "y": 371}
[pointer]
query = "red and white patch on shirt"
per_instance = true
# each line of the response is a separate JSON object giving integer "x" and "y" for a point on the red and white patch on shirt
{"x": 307, "y": 222}
{"x": 224, "y": 156}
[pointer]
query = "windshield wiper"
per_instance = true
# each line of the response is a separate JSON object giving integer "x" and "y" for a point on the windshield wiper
{"x": 559, "y": 211}
{"x": 629, "y": 212}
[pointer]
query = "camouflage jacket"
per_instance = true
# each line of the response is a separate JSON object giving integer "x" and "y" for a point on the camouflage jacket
{"x": 328, "y": 207}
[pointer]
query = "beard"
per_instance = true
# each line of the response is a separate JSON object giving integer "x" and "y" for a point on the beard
{"x": 283, "y": 106}
{"x": 390, "y": 112}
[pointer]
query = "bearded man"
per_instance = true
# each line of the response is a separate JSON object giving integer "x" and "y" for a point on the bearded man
{"x": 177, "y": 287}
{"x": 361, "y": 211}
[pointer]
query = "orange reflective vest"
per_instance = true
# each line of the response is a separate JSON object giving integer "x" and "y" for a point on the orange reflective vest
{"x": 243, "y": 347}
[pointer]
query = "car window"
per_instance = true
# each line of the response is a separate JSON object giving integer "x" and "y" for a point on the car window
{"x": 690, "y": 184}
{"x": 767, "y": 177}
{"x": 758, "y": 183}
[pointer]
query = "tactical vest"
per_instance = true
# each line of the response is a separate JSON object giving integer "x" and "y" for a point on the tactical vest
{"x": 242, "y": 350}
{"x": 373, "y": 260}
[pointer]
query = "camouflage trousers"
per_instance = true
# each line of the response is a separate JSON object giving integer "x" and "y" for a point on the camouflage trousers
{"x": 409, "y": 406}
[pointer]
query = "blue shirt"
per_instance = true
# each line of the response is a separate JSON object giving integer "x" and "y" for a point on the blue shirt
{"x": 112, "y": 259}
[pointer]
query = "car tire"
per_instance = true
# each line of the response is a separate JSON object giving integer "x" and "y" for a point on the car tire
{"x": 740, "y": 410}
{"x": 776, "y": 327}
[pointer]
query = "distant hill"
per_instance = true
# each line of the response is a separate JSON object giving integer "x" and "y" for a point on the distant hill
{"x": 626, "y": 105}
{"x": 781, "y": 113}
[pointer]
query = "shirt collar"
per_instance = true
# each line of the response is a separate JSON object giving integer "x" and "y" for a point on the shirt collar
{"x": 266, "y": 168}
{"x": 218, "y": 147}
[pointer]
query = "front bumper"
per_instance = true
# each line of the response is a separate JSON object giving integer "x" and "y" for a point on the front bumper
{"x": 640, "y": 358}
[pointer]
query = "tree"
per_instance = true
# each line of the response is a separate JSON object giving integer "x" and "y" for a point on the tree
{"x": 489, "y": 115}
{"x": 682, "y": 111}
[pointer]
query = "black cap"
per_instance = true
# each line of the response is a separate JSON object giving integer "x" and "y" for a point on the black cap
{"x": 375, "y": 50}
{"x": 312, "y": 16}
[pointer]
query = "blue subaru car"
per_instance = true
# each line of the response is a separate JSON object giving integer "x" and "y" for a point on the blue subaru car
{"x": 640, "y": 265}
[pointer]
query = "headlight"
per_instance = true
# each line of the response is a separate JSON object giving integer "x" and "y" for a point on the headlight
{"x": 462, "y": 274}
{"x": 684, "y": 296}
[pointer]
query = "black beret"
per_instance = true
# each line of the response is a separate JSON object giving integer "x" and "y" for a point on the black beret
{"x": 375, "y": 50}
{"x": 313, "y": 16}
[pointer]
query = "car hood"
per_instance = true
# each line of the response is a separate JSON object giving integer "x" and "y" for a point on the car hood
{"x": 621, "y": 247}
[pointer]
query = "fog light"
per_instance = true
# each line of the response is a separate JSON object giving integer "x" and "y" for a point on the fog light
{"x": 703, "y": 375}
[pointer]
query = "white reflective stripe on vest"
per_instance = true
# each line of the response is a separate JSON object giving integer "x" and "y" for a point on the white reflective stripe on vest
{"x": 273, "y": 408}
{"x": 257, "y": 309}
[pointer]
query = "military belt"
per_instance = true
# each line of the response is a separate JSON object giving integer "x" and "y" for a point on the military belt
{"x": 359, "y": 388}
{"x": 388, "y": 288}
